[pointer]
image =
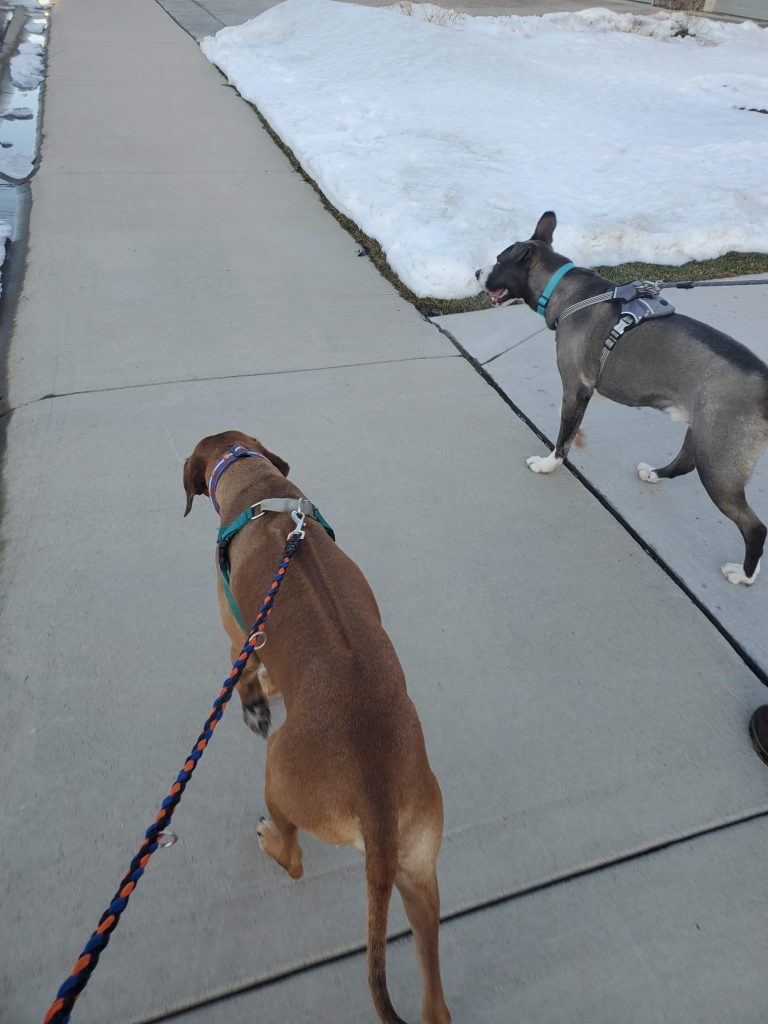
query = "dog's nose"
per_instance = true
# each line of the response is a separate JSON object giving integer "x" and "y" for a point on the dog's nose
{"x": 477, "y": 274}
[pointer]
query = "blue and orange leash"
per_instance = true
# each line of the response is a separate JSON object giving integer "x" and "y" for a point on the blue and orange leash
{"x": 60, "y": 1009}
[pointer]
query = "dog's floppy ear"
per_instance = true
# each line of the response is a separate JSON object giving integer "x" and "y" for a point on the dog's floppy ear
{"x": 194, "y": 479}
{"x": 276, "y": 461}
{"x": 545, "y": 228}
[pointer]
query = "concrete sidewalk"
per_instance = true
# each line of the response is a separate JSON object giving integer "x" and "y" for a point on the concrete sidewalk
{"x": 580, "y": 712}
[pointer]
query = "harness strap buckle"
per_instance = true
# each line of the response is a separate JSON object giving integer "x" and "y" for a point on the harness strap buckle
{"x": 625, "y": 321}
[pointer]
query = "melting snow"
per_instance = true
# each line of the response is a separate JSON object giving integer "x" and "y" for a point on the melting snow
{"x": 446, "y": 137}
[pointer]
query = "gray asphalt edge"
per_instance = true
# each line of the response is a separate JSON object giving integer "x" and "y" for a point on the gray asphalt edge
{"x": 14, "y": 270}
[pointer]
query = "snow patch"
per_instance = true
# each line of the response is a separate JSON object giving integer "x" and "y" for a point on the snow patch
{"x": 19, "y": 114}
{"x": 15, "y": 165}
{"x": 27, "y": 68}
{"x": 445, "y": 141}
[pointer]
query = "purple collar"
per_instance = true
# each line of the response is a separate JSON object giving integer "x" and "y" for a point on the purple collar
{"x": 230, "y": 455}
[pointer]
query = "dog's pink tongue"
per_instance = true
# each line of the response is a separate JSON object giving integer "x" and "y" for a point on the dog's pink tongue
{"x": 498, "y": 295}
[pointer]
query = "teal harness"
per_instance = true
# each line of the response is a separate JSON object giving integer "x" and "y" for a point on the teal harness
{"x": 299, "y": 507}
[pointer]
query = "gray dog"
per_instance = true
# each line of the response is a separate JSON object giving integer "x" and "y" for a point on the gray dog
{"x": 668, "y": 361}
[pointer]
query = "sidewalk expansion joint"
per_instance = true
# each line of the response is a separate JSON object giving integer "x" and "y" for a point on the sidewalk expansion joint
{"x": 342, "y": 955}
{"x": 740, "y": 650}
{"x": 510, "y": 347}
{"x": 226, "y": 376}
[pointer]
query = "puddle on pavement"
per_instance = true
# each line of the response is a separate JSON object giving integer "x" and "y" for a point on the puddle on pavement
{"x": 20, "y": 109}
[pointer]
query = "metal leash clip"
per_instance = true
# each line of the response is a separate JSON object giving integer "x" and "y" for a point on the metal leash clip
{"x": 298, "y": 517}
{"x": 650, "y": 288}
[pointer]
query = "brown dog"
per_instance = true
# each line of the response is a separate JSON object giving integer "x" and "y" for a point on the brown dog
{"x": 349, "y": 764}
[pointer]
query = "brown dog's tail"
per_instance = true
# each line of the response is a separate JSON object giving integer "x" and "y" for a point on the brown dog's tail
{"x": 380, "y": 871}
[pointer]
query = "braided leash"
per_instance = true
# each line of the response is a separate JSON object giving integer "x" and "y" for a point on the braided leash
{"x": 59, "y": 1011}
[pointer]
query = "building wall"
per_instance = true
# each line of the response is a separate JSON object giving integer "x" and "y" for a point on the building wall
{"x": 739, "y": 8}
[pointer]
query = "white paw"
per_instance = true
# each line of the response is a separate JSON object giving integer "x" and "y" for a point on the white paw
{"x": 543, "y": 463}
{"x": 734, "y": 573}
{"x": 647, "y": 473}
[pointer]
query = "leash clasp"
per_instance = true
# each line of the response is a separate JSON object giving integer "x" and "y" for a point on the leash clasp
{"x": 298, "y": 517}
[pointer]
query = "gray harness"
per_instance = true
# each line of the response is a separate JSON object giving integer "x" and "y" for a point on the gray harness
{"x": 640, "y": 300}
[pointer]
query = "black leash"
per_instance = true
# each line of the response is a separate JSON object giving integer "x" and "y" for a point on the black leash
{"x": 708, "y": 284}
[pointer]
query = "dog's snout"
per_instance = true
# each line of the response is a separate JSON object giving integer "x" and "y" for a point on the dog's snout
{"x": 477, "y": 274}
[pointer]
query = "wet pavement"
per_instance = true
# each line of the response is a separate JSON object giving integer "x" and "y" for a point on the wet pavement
{"x": 20, "y": 127}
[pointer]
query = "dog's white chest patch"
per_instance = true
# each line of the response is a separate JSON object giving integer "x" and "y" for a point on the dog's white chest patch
{"x": 677, "y": 413}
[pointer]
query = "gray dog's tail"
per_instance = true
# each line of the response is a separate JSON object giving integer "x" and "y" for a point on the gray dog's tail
{"x": 380, "y": 870}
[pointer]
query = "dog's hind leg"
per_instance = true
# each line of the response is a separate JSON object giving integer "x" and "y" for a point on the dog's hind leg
{"x": 684, "y": 462}
{"x": 419, "y": 893}
{"x": 416, "y": 881}
{"x": 725, "y": 482}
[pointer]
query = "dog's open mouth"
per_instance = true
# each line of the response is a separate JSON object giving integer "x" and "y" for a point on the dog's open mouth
{"x": 498, "y": 296}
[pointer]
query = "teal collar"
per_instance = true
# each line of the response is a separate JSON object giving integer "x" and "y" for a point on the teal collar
{"x": 546, "y": 295}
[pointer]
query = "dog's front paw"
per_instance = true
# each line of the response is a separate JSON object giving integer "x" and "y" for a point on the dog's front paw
{"x": 258, "y": 717}
{"x": 647, "y": 473}
{"x": 543, "y": 463}
{"x": 735, "y": 574}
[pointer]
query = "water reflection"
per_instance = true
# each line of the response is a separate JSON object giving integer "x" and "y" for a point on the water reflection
{"x": 19, "y": 133}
